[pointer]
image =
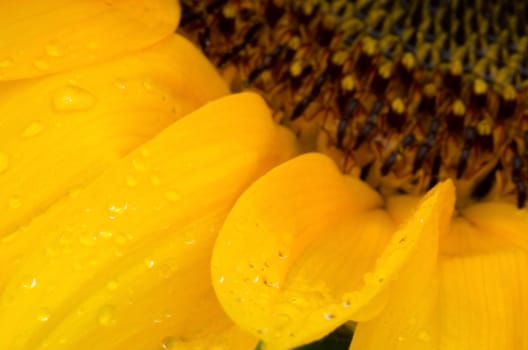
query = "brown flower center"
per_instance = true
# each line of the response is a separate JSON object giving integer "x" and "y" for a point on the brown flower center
{"x": 401, "y": 93}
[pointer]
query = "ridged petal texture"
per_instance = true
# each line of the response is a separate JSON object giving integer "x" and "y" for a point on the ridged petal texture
{"x": 124, "y": 263}
{"x": 43, "y": 37}
{"x": 306, "y": 249}
{"x": 59, "y": 131}
{"x": 476, "y": 297}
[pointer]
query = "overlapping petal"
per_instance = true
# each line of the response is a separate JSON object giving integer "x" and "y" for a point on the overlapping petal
{"x": 43, "y": 37}
{"x": 306, "y": 249}
{"x": 474, "y": 298}
{"x": 60, "y": 131}
{"x": 124, "y": 263}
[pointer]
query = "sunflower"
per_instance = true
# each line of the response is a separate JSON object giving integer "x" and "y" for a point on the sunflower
{"x": 416, "y": 228}
{"x": 114, "y": 181}
{"x": 146, "y": 207}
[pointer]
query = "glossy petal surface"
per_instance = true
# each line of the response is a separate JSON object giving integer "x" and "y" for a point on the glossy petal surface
{"x": 124, "y": 263}
{"x": 43, "y": 37}
{"x": 60, "y": 131}
{"x": 306, "y": 249}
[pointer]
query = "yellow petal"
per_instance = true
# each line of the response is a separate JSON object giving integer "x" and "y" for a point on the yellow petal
{"x": 477, "y": 297}
{"x": 291, "y": 262}
{"x": 127, "y": 262}
{"x": 39, "y": 37}
{"x": 503, "y": 220}
{"x": 58, "y": 132}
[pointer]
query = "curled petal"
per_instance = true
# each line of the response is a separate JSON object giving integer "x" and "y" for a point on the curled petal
{"x": 126, "y": 261}
{"x": 306, "y": 249}
{"x": 81, "y": 121}
{"x": 47, "y": 36}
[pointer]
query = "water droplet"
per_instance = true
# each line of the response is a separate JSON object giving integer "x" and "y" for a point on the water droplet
{"x": 43, "y": 315}
{"x": 15, "y": 202}
{"x": 221, "y": 279}
{"x": 33, "y": 129}
{"x": 112, "y": 285}
{"x": 169, "y": 343}
{"x": 53, "y": 50}
{"x": 106, "y": 317}
{"x": 328, "y": 316}
{"x": 131, "y": 181}
{"x": 155, "y": 180}
{"x": 120, "y": 84}
{"x": 4, "y": 162}
{"x": 72, "y": 98}
{"x": 29, "y": 282}
{"x": 346, "y": 303}
{"x": 6, "y": 63}
{"x": 41, "y": 64}
{"x": 421, "y": 220}
{"x": 149, "y": 263}
{"x": 282, "y": 255}
{"x": 400, "y": 338}
{"x": 255, "y": 279}
{"x": 172, "y": 196}
{"x": 116, "y": 210}
{"x": 106, "y": 234}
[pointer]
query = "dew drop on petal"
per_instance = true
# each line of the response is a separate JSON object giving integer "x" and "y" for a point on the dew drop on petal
{"x": 72, "y": 98}
{"x": 120, "y": 84}
{"x": 29, "y": 282}
{"x": 43, "y": 315}
{"x": 328, "y": 316}
{"x": 106, "y": 234}
{"x": 149, "y": 263}
{"x": 32, "y": 129}
{"x": 221, "y": 279}
{"x": 4, "y": 162}
{"x": 169, "y": 343}
{"x": 106, "y": 316}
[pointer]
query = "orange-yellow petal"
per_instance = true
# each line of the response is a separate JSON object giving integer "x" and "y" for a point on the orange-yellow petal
{"x": 502, "y": 220}
{"x": 58, "y": 132}
{"x": 40, "y": 37}
{"x": 474, "y": 297}
{"x": 305, "y": 249}
{"x": 126, "y": 261}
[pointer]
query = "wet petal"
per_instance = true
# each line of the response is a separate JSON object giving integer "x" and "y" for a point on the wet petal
{"x": 47, "y": 36}
{"x": 476, "y": 298}
{"x": 127, "y": 259}
{"x": 80, "y": 121}
{"x": 305, "y": 249}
